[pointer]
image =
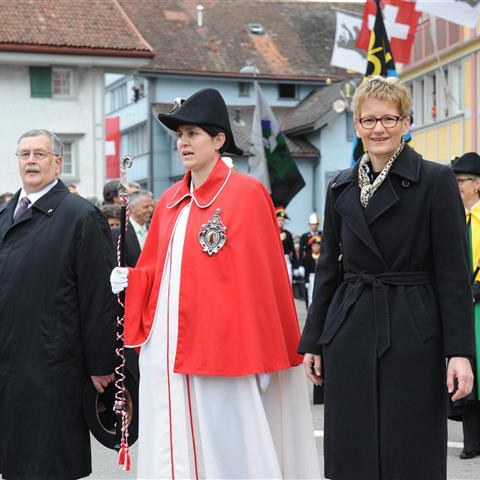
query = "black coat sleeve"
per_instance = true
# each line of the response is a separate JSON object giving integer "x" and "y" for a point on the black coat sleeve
{"x": 94, "y": 262}
{"x": 450, "y": 265}
{"x": 326, "y": 281}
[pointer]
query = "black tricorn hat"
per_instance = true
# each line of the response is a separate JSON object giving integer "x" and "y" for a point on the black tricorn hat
{"x": 98, "y": 407}
{"x": 206, "y": 108}
{"x": 468, "y": 163}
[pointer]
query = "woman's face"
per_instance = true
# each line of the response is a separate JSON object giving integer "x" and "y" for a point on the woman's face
{"x": 197, "y": 149}
{"x": 380, "y": 141}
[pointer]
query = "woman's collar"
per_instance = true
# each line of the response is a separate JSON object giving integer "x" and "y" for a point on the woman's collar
{"x": 207, "y": 192}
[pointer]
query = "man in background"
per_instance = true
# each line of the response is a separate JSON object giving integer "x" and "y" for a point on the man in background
{"x": 305, "y": 244}
{"x": 141, "y": 211}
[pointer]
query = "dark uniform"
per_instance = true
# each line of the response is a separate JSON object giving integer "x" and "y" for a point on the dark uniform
{"x": 305, "y": 238}
{"x": 287, "y": 239}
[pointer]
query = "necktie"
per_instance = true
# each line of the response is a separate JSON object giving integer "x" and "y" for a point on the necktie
{"x": 21, "y": 207}
{"x": 142, "y": 234}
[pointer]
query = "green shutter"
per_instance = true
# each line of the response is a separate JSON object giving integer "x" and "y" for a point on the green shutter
{"x": 41, "y": 81}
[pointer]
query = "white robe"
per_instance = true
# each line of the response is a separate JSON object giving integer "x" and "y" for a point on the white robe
{"x": 193, "y": 426}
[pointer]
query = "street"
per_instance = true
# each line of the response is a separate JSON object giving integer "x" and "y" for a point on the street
{"x": 105, "y": 461}
{"x": 105, "y": 466}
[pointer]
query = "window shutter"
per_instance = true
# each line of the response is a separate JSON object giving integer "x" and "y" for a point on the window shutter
{"x": 41, "y": 81}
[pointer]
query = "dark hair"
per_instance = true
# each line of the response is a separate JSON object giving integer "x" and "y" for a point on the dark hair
{"x": 111, "y": 211}
{"x": 214, "y": 131}
{"x": 110, "y": 191}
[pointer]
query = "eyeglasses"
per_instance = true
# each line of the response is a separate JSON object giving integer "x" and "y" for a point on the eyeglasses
{"x": 37, "y": 154}
{"x": 388, "y": 121}
{"x": 461, "y": 181}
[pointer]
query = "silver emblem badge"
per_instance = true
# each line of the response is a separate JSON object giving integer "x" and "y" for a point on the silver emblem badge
{"x": 212, "y": 236}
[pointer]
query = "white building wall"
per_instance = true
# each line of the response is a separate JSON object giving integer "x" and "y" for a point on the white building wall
{"x": 80, "y": 117}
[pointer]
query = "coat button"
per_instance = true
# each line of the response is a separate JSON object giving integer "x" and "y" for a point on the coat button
{"x": 405, "y": 183}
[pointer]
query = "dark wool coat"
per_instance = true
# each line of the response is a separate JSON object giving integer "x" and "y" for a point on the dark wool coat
{"x": 404, "y": 304}
{"x": 56, "y": 329}
{"x": 132, "y": 247}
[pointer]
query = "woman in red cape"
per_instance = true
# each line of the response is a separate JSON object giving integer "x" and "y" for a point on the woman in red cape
{"x": 210, "y": 303}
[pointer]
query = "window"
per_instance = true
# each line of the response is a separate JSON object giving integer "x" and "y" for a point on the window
{"x": 62, "y": 80}
{"x": 438, "y": 96}
{"x": 48, "y": 82}
{"x": 243, "y": 89}
{"x": 70, "y": 167}
{"x": 135, "y": 141}
{"x": 418, "y": 102}
{"x": 287, "y": 90}
{"x": 68, "y": 164}
{"x": 119, "y": 97}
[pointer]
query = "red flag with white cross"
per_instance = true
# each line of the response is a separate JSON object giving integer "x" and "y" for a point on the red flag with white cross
{"x": 400, "y": 18}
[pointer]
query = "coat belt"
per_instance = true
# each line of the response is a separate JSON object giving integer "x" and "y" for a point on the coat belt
{"x": 378, "y": 283}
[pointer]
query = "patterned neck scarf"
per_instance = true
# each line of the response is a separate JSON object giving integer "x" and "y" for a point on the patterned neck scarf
{"x": 367, "y": 188}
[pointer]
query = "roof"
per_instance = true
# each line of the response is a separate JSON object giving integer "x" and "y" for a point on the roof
{"x": 312, "y": 108}
{"x": 241, "y": 118}
{"x": 297, "y": 43}
{"x": 69, "y": 26}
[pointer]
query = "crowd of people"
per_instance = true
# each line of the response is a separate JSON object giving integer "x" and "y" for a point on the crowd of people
{"x": 391, "y": 284}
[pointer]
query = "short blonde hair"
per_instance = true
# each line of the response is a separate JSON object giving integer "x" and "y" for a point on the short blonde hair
{"x": 388, "y": 89}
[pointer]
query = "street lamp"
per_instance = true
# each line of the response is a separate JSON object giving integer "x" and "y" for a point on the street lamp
{"x": 346, "y": 95}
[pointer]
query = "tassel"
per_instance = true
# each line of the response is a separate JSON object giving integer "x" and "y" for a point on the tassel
{"x": 126, "y": 466}
{"x": 121, "y": 455}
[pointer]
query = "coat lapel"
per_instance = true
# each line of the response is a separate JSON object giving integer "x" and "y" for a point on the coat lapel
{"x": 407, "y": 167}
{"x": 382, "y": 201}
{"x": 349, "y": 207}
{"x": 47, "y": 204}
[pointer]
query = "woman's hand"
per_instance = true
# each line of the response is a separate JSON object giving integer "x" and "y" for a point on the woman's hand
{"x": 460, "y": 369}
{"x": 313, "y": 368}
{"x": 119, "y": 279}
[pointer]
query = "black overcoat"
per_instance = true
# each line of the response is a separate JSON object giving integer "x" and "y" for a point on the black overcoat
{"x": 56, "y": 329}
{"x": 385, "y": 325}
{"x": 132, "y": 247}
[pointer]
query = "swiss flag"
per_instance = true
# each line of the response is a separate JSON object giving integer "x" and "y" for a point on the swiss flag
{"x": 112, "y": 146}
{"x": 400, "y": 18}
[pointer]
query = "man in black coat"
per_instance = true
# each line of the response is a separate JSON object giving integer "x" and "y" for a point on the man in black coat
{"x": 305, "y": 244}
{"x": 56, "y": 318}
{"x": 141, "y": 211}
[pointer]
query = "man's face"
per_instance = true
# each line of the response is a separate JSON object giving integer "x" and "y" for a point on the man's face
{"x": 468, "y": 185}
{"x": 313, "y": 227}
{"x": 37, "y": 173}
{"x": 281, "y": 222}
{"x": 142, "y": 211}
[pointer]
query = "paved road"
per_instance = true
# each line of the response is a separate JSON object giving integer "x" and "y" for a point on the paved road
{"x": 105, "y": 461}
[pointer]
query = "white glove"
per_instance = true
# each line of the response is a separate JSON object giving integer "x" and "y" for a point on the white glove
{"x": 264, "y": 381}
{"x": 119, "y": 279}
{"x": 299, "y": 272}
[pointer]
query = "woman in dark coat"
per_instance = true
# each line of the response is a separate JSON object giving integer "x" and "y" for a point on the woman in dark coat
{"x": 391, "y": 302}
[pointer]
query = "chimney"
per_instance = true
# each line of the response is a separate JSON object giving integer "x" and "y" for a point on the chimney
{"x": 200, "y": 9}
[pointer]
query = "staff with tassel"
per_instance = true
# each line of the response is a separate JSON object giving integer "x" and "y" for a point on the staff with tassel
{"x": 120, "y": 407}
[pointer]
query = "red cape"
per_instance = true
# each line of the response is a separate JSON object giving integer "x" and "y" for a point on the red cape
{"x": 236, "y": 311}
